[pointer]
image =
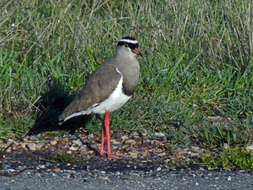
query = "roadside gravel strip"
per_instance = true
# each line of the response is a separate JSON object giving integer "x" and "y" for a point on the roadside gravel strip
{"x": 186, "y": 179}
{"x": 142, "y": 166}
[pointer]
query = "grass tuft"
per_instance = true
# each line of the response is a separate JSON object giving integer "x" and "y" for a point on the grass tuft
{"x": 64, "y": 157}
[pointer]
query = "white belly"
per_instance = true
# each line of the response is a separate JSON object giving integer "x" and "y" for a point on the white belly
{"x": 112, "y": 103}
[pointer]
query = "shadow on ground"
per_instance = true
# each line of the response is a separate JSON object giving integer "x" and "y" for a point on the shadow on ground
{"x": 51, "y": 104}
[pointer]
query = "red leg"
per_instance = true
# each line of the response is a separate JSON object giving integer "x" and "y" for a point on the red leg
{"x": 102, "y": 140}
{"x": 107, "y": 132}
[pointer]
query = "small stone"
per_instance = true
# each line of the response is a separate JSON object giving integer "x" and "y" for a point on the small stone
{"x": 11, "y": 170}
{"x": 41, "y": 167}
{"x": 39, "y": 146}
{"x": 162, "y": 154}
{"x": 130, "y": 141}
{"x": 159, "y": 134}
{"x": 73, "y": 148}
{"x": 124, "y": 138}
{"x": 31, "y": 146}
{"x": 115, "y": 142}
{"x": 159, "y": 169}
{"x": 33, "y": 138}
{"x": 118, "y": 173}
{"x": 104, "y": 177}
{"x": 9, "y": 149}
{"x": 144, "y": 132}
{"x": 167, "y": 160}
{"x": 145, "y": 154}
{"x": 83, "y": 149}
{"x": 90, "y": 136}
{"x": 146, "y": 141}
{"x": 57, "y": 170}
{"x": 133, "y": 155}
{"x": 53, "y": 142}
{"x": 26, "y": 139}
{"x": 196, "y": 149}
{"x": 226, "y": 146}
{"x": 78, "y": 142}
{"x": 249, "y": 148}
{"x": 62, "y": 143}
{"x": 135, "y": 134}
{"x": 90, "y": 152}
{"x": 193, "y": 154}
{"x": 161, "y": 149}
{"x": 52, "y": 148}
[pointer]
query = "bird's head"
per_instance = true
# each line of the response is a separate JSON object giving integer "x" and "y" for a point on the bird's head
{"x": 129, "y": 46}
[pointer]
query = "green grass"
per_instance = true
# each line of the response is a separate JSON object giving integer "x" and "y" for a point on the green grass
{"x": 231, "y": 158}
{"x": 196, "y": 74}
{"x": 228, "y": 158}
{"x": 63, "y": 157}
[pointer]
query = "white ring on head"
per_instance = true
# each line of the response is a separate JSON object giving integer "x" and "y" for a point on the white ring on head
{"x": 129, "y": 41}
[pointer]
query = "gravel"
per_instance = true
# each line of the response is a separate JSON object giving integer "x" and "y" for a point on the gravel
{"x": 187, "y": 179}
{"x": 142, "y": 165}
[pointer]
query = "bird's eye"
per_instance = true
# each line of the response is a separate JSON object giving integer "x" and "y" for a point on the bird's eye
{"x": 126, "y": 45}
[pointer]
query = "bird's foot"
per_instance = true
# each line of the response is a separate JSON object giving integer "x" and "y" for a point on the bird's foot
{"x": 112, "y": 156}
{"x": 101, "y": 153}
{"x": 109, "y": 156}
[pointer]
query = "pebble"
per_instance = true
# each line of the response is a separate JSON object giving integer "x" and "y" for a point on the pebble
{"x": 90, "y": 136}
{"x": 78, "y": 142}
{"x": 226, "y": 145}
{"x": 53, "y": 142}
{"x": 249, "y": 148}
{"x": 83, "y": 149}
{"x": 193, "y": 154}
{"x": 26, "y": 139}
{"x": 159, "y": 134}
{"x": 41, "y": 167}
{"x": 133, "y": 146}
{"x": 73, "y": 148}
{"x": 118, "y": 173}
{"x": 162, "y": 154}
{"x": 196, "y": 149}
{"x": 90, "y": 152}
{"x": 104, "y": 177}
{"x": 31, "y": 146}
{"x": 135, "y": 134}
{"x": 10, "y": 149}
{"x": 39, "y": 146}
{"x": 57, "y": 170}
{"x": 145, "y": 154}
{"x": 124, "y": 138}
{"x": 133, "y": 155}
{"x": 113, "y": 141}
{"x": 130, "y": 141}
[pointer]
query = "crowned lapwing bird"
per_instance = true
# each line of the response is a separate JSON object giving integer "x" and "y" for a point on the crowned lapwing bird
{"x": 108, "y": 88}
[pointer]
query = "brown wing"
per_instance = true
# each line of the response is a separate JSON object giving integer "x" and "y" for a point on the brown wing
{"x": 99, "y": 86}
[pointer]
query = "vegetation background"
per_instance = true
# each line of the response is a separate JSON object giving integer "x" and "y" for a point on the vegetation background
{"x": 196, "y": 74}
